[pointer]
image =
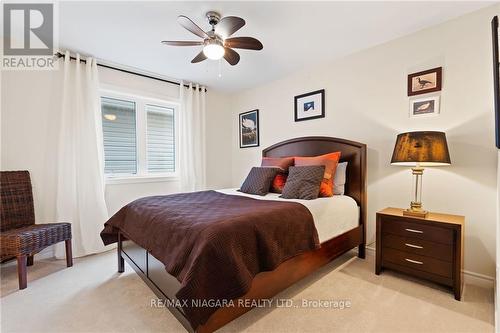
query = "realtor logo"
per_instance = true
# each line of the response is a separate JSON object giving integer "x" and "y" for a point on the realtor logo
{"x": 29, "y": 41}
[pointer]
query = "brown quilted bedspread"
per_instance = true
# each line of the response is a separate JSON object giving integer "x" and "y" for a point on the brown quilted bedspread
{"x": 214, "y": 243}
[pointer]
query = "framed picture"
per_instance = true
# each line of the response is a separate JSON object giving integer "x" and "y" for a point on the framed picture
{"x": 496, "y": 78}
{"x": 249, "y": 129}
{"x": 425, "y": 82}
{"x": 310, "y": 105}
{"x": 424, "y": 107}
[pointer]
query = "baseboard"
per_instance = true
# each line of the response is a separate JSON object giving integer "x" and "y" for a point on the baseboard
{"x": 478, "y": 279}
{"x": 470, "y": 277}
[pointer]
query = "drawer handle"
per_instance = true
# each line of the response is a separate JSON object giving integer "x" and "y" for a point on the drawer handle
{"x": 415, "y": 231}
{"x": 414, "y": 261}
{"x": 414, "y": 246}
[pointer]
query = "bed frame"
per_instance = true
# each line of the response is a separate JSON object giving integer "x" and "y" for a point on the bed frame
{"x": 268, "y": 284}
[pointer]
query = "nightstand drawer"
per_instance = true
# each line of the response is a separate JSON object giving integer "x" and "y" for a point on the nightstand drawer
{"x": 417, "y": 230}
{"x": 417, "y": 262}
{"x": 419, "y": 247}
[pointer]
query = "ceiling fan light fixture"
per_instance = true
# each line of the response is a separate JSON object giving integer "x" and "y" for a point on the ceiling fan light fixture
{"x": 217, "y": 42}
{"x": 213, "y": 50}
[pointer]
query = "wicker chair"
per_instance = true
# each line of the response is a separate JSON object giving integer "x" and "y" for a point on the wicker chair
{"x": 20, "y": 237}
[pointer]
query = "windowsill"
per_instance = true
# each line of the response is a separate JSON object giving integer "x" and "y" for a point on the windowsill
{"x": 134, "y": 179}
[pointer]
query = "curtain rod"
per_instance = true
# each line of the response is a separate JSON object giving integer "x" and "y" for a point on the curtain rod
{"x": 62, "y": 55}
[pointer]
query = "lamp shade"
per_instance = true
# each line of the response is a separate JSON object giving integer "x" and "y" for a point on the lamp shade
{"x": 423, "y": 148}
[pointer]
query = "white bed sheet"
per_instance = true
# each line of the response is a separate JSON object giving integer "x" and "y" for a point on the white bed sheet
{"x": 332, "y": 216}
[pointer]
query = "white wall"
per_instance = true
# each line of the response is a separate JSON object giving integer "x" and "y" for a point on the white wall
{"x": 27, "y": 135}
{"x": 366, "y": 101}
{"x": 29, "y": 125}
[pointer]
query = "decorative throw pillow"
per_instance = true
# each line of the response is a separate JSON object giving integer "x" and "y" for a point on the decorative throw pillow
{"x": 329, "y": 161}
{"x": 303, "y": 182}
{"x": 278, "y": 182}
{"x": 339, "y": 179}
{"x": 279, "y": 162}
{"x": 258, "y": 180}
{"x": 283, "y": 163}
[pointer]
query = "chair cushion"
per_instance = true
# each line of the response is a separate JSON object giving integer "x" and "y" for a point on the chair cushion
{"x": 32, "y": 239}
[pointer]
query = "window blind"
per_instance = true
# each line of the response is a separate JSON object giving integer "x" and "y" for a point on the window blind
{"x": 160, "y": 139}
{"x": 119, "y": 134}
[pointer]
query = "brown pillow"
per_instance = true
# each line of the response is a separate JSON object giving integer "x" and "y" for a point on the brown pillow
{"x": 280, "y": 162}
{"x": 283, "y": 163}
{"x": 259, "y": 180}
{"x": 303, "y": 182}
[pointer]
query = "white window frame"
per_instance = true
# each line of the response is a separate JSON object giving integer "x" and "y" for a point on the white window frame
{"x": 142, "y": 175}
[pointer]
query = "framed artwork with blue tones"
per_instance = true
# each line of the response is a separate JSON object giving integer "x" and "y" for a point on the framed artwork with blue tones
{"x": 310, "y": 106}
{"x": 249, "y": 129}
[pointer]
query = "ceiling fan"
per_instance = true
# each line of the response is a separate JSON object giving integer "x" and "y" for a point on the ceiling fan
{"x": 217, "y": 43}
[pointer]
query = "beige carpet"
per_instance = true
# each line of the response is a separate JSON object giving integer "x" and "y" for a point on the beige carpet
{"x": 92, "y": 297}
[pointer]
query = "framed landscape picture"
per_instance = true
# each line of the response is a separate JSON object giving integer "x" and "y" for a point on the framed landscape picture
{"x": 249, "y": 129}
{"x": 310, "y": 105}
{"x": 424, "y": 107}
{"x": 425, "y": 82}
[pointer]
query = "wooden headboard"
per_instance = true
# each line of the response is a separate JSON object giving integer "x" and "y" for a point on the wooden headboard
{"x": 352, "y": 152}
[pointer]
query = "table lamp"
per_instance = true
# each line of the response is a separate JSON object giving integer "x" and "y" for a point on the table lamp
{"x": 420, "y": 149}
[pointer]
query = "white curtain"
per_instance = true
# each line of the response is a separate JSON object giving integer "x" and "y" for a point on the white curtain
{"x": 192, "y": 137}
{"x": 80, "y": 174}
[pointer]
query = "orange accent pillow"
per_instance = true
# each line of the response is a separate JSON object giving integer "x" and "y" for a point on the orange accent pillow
{"x": 280, "y": 179}
{"x": 279, "y": 182}
{"x": 330, "y": 161}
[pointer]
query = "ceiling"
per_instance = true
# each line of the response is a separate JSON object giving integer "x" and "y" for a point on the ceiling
{"x": 294, "y": 34}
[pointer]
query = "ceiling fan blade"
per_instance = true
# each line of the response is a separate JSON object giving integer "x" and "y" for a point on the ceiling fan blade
{"x": 191, "y": 26}
{"x": 231, "y": 56}
{"x": 229, "y": 25}
{"x": 181, "y": 43}
{"x": 199, "y": 58}
{"x": 248, "y": 43}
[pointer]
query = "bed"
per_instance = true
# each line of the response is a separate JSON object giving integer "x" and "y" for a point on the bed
{"x": 348, "y": 232}
{"x": 342, "y": 209}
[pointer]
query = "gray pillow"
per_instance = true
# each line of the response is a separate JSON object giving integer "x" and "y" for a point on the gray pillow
{"x": 340, "y": 179}
{"x": 259, "y": 180}
{"x": 303, "y": 182}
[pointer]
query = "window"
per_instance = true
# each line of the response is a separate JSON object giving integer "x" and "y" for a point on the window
{"x": 119, "y": 133}
{"x": 161, "y": 139}
{"x": 139, "y": 136}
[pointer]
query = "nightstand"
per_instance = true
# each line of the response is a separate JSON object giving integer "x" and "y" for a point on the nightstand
{"x": 429, "y": 248}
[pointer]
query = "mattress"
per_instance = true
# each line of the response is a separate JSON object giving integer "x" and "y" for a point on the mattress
{"x": 332, "y": 215}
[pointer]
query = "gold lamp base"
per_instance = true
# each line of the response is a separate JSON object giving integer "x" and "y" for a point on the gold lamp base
{"x": 415, "y": 210}
{"x": 415, "y": 213}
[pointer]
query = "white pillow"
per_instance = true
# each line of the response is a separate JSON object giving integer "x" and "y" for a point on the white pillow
{"x": 339, "y": 179}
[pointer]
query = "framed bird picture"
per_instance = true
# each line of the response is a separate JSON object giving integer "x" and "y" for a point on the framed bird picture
{"x": 425, "y": 82}
{"x": 310, "y": 106}
{"x": 424, "y": 107}
{"x": 249, "y": 129}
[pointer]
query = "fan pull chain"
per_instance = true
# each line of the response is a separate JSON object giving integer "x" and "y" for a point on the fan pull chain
{"x": 220, "y": 68}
